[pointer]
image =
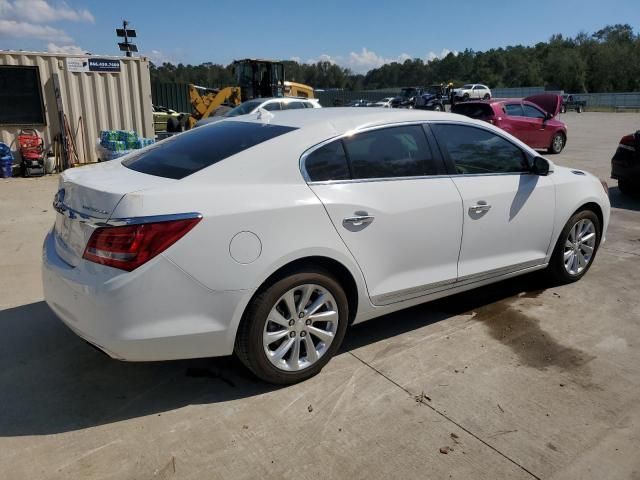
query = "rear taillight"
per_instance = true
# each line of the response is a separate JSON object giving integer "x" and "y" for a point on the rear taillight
{"x": 627, "y": 140}
{"x": 129, "y": 246}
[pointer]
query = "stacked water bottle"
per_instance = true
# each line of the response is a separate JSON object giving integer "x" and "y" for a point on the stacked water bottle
{"x": 116, "y": 143}
{"x": 6, "y": 161}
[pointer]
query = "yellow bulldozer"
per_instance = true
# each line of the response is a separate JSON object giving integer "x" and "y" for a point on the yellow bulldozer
{"x": 254, "y": 79}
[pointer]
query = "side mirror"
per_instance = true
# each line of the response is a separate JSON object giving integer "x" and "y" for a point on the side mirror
{"x": 540, "y": 166}
{"x": 548, "y": 116}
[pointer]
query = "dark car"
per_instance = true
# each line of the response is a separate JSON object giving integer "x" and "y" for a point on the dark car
{"x": 407, "y": 97}
{"x": 361, "y": 102}
{"x": 432, "y": 98}
{"x": 532, "y": 119}
{"x": 625, "y": 164}
{"x": 570, "y": 103}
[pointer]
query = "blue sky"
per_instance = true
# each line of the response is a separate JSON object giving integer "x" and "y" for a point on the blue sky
{"x": 359, "y": 34}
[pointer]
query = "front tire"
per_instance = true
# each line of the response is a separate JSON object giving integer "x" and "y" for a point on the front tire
{"x": 486, "y": 97}
{"x": 576, "y": 248}
{"x": 557, "y": 143}
{"x": 293, "y": 327}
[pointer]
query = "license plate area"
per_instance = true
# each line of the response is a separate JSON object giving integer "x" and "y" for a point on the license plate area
{"x": 71, "y": 236}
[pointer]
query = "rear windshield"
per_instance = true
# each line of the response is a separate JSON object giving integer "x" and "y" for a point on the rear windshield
{"x": 184, "y": 154}
{"x": 473, "y": 110}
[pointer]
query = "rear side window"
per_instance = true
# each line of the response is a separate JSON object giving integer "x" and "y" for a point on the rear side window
{"x": 475, "y": 150}
{"x": 390, "y": 152}
{"x": 272, "y": 107}
{"x": 199, "y": 148}
{"x": 327, "y": 163}
{"x": 514, "y": 110}
{"x": 293, "y": 105}
{"x": 473, "y": 110}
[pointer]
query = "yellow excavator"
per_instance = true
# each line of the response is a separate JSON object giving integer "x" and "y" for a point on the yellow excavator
{"x": 254, "y": 79}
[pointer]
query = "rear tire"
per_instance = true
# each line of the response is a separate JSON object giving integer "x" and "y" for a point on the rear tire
{"x": 628, "y": 188}
{"x": 557, "y": 143}
{"x": 563, "y": 109}
{"x": 579, "y": 109}
{"x": 173, "y": 125}
{"x": 574, "y": 246}
{"x": 486, "y": 97}
{"x": 269, "y": 327}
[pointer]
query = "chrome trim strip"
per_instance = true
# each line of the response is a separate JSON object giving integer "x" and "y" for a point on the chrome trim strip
{"x": 412, "y": 292}
{"x": 501, "y": 270}
{"x": 369, "y": 180}
{"x": 67, "y": 211}
{"x": 423, "y": 177}
{"x": 116, "y": 222}
{"x": 423, "y": 290}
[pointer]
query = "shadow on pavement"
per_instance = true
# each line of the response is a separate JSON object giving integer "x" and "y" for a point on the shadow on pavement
{"x": 51, "y": 381}
{"x": 620, "y": 200}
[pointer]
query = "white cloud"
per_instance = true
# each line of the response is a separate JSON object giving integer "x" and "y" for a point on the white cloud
{"x": 431, "y": 56}
{"x": 16, "y": 29}
{"x": 70, "y": 49}
{"x": 42, "y": 11}
{"x": 359, "y": 62}
{"x": 366, "y": 60}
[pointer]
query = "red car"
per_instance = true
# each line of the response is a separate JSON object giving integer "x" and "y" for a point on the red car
{"x": 532, "y": 119}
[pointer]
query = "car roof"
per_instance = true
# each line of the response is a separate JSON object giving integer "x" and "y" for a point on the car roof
{"x": 338, "y": 120}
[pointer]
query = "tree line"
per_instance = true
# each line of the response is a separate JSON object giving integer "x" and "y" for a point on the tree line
{"x": 605, "y": 61}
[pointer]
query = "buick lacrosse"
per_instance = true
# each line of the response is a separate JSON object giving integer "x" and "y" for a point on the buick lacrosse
{"x": 268, "y": 235}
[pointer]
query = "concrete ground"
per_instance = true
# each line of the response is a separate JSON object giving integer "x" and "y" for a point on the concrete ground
{"x": 513, "y": 380}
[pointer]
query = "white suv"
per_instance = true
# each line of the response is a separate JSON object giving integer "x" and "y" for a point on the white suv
{"x": 269, "y": 104}
{"x": 473, "y": 90}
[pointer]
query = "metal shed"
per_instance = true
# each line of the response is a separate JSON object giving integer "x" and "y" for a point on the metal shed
{"x": 109, "y": 93}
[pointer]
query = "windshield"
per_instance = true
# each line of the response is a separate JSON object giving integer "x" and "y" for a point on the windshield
{"x": 407, "y": 92}
{"x": 246, "y": 107}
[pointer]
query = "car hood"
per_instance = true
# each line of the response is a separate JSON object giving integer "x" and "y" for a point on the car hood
{"x": 549, "y": 102}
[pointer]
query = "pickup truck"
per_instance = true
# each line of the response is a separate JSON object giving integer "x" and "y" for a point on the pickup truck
{"x": 569, "y": 103}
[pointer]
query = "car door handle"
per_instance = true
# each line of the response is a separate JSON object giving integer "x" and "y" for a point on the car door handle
{"x": 480, "y": 207}
{"x": 358, "y": 220}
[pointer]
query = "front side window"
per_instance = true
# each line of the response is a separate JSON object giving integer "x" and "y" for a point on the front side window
{"x": 199, "y": 148}
{"x": 390, "y": 152}
{"x": 475, "y": 151}
{"x": 327, "y": 163}
{"x": 532, "y": 112}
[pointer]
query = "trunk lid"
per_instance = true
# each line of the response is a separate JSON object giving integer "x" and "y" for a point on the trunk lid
{"x": 549, "y": 102}
{"x": 87, "y": 196}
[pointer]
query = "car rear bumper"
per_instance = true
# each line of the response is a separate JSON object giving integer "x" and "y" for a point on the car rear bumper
{"x": 625, "y": 165}
{"x": 156, "y": 312}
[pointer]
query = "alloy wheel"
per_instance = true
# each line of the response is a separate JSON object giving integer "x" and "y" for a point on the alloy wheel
{"x": 300, "y": 327}
{"x": 579, "y": 247}
{"x": 558, "y": 143}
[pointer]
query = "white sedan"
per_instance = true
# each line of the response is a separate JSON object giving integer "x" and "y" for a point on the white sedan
{"x": 267, "y": 235}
